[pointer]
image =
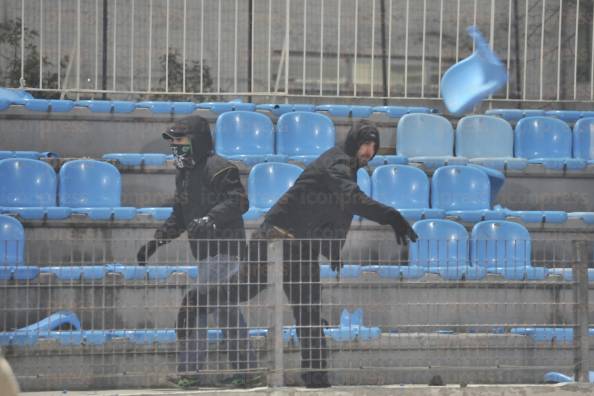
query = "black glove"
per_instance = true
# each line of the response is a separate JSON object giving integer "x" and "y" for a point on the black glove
{"x": 202, "y": 227}
{"x": 402, "y": 229}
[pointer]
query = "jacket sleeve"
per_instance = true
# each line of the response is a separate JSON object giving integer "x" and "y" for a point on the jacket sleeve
{"x": 173, "y": 226}
{"x": 352, "y": 199}
{"x": 234, "y": 202}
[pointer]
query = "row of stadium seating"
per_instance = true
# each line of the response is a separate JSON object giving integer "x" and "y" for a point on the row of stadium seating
{"x": 444, "y": 248}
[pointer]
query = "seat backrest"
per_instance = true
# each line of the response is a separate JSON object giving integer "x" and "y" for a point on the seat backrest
{"x": 89, "y": 183}
{"x": 12, "y": 241}
{"x": 441, "y": 242}
{"x": 27, "y": 182}
{"x": 400, "y": 186}
{"x": 583, "y": 139}
{"x": 244, "y": 132}
{"x": 542, "y": 137}
{"x": 364, "y": 181}
{"x": 422, "y": 134}
{"x": 481, "y": 136}
{"x": 458, "y": 187}
{"x": 500, "y": 243}
{"x": 268, "y": 181}
{"x": 304, "y": 133}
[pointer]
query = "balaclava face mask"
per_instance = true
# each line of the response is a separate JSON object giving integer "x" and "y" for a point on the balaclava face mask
{"x": 182, "y": 155}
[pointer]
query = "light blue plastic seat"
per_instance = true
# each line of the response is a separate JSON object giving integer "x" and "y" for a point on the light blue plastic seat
{"x": 569, "y": 116}
{"x": 167, "y": 107}
{"x": 137, "y": 159}
{"x": 303, "y": 136}
{"x": 145, "y": 336}
{"x": 14, "y": 96}
{"x": 475, "y": 78}
{"x": 107, "y": 106}
{"x": 280, "y": 109}
{"x": 246, "y": 136}
{"x": 488, "y": 141}
{"x": 364, "y": 183}
{"x": 399, "y": 111}
{"x": 442, "y": 248}
{"x": 348, "y": 271}
{"x": 93, "y": 188}
{"x": 426, "y": 138}
{"x": 27, "y": 336}
{"x": 156, "y": 213}
{"x": 28, "y": 188}
{"x": 351, "y": 328}
{"x": 390, "y": 271}
{"x": 12, "y": 241}
{"x": 49, "y": 105}
{"x": 513, "y": 115}
{"x": 539, "y": 216}
{"x": 586, "y": 217}
{"x": 345, "y": 110}
{"x": 267, "y": 182}
{"x": 222, "y": 107}
{"x": 553, "y": 377}
{"x": 548, "y": 334}
{"x": 18, "y": 272}
{"x": 546, "y": 141}
{"x": 76, "y": 272}
{"x": 128, "y": 272}
{"x": 20, "y": 154}
{"x": 567, "y": 273}
{"x": 583, "y": 140}
{"x": 404, "y": 188}
{"x": 162, "y": 272}
{"x": 504, "y": 248}
{"x": 463, "y": 192}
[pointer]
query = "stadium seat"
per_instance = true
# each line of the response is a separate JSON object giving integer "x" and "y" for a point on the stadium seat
{"x": 303, "y": 136}
{"x": 156, "y": 213}
{"x": 442, "y": 248}
{"x": 364, "y": 183}
{"x": 12, "y": 241}
{"x": 553, "y": 377}
{"x": 49, "y": 105}
{"x": 28, "y": 188}
{"x": 345, "y": 110}
{"x": 14, "y": 96}
{"x": 515, "y": 114}
{"x": 280, "y": 109}
{"x": 267, "y": 182}
{"x": 167, "y": 107}
{"x": 426, "y": 138}
{"x": 93, "y": 188}
{"x": 487, "y": 141}
{"x": 380, "y": 160}
{"x": 548, "y": 334}
{"x": 538, "y": 216}
{"x": 583, "y": 140}
{"x": 348, "y": 271}
{"x": 76, "y": 273}
{"x": 107, "y": 106}
{"x": 399, "y": 111}
{"x": 222, "y": 107}
{"x": 19, "y": 154}
{"x": 405, "y": 188}
{"x": 137, "y": 159}
{"x": 351, "y": 328}
{"x": 246, "y": 136}
{"x": 546, "y": 141}
{"x": 505, "y": 248}
{"x": 586, "y": 217}
{"x": 569, "y": 116}
{"x": 464, "y": 192}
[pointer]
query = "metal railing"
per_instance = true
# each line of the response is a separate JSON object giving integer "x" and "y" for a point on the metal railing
{"x": 435, "y": 311}
{"x": 314, "y": 50}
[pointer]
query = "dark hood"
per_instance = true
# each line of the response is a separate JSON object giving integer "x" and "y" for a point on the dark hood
{"x": 361, "y": 132}
{"x": 198, "y": 130}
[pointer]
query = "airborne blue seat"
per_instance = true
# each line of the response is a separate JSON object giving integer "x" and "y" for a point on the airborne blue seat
{"x": 569, "y": 116}
{"x": 107, "y": 106}
{"x": 546, "y": 141}
{"x": 49, "y": 105}
{"x": 442, "y": 248}
{"x": 222, "y": 107}
{"x": 167, "y": 107}
{"x": 583, "y": 140}
{"x": 93, "y": 188}
{"x": 303, "y": 136}
{"x": 156, "y": 213}
{"x": 426, "y": 138}
{"x": 29, "y": 188}
{"x": 464, "y": 192}
{"x": 280, "y": 109}
{"x": 346, "y": 110}
{"x": 267, "y": 182}
{"x": 487, "y": 141}
{"x": 399, "y": 111}
{"x": 504, "y": 248}
{"x": 137, "y": 159}
{"x": 404, "y": 188}
{"x": 246, "y": 136}
{"x": 515, "y": 114}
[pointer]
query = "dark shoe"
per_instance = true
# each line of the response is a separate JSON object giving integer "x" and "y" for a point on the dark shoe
{"x": 316, "y": 379}
{"x": 185, "y": 381}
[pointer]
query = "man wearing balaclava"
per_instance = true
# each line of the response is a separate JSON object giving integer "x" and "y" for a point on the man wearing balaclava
{"x": 209, "y": 203}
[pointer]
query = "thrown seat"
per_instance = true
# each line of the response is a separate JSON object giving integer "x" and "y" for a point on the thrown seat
{"x": 303, "y": 136}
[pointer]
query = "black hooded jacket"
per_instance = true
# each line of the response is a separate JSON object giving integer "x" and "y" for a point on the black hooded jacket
{"x": 323, "y": 200}
{"x": 211, "y": 188}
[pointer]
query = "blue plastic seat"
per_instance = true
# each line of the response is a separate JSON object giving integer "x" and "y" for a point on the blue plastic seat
{"x": 222, "y": 107}
{"x": 467, "y": 82}
{"x": 546, "y": 141}
{"x": 167, "y": 107}
{"x": 539, "y": 216}
{"x": 18, "y": 272}
{"x": 348, "y": 271}
{"x": 364, "y": 183}
{"x": 28, "y": 188}
{"x": 93, "y": 188}
{"x": 404, "y": 188}
{"x": 586, "y": 217}
{"x": 346, "y": 110}
{"x": 548, "y": 334}
{"x": 488, "y": 141}
{"x": 267, "y": 182}
{"x": 137, "y": 159}
{"x": 76, "y": 272}
{"x": 156, "y": 213}
{"x": 351, "y": 328}
{"x": 246, "y": 136}
{"x": 162, "y": 272}
{"x": 569, "y": 116}
{"x": 14, "y": 96}
{"x": 19, "y": 154}
{"x": 442, "y": 248}
{"x": 426, "y": 138}
{"x": 515, "y": 114}
{"x": 553, "y": 377}
{"x": 583, "y": 140}
{"x": 303, "y": 136}
{"x": 464, "y": 192}
{"x": 280, "y": 109}
{"x": 107, "y": 106}
{"x": 12, "y": 241}
{"x": 399, "y": 111}
{"x": 49, "y": 105}
{"x": 128, "y": 272}
{"x": 388, "y": 159}
{"x": 567, "y": 273}
{"x": 504, "y": 248}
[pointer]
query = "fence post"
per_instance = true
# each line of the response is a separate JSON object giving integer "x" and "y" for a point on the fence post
{"x": 581, "y": 341}
{"x": 275, "y": 274}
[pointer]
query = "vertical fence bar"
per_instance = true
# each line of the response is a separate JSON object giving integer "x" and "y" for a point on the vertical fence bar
{"x": 338, "y": 49}
{"x": 304, "y": 74}
{"x": 201, "y": 46}
{"x": 275, "y": 274}
{"x": 524, "y": 71}
{"x": 22, "y": 79}
{"x": 406, "y": 50}
{"x": 321, "y": 47}
{"x": 581, "y": 341}
{"x": 60, "y": 42}
{"x": 219, "y": 46}
{"x": 542, "y": 33}
{"x": 40, "y": 44}
{"x": 355, "y": 50}
{"x": 269, "y": 43}
{"x": 559, "y": 50}
{"x": 150, "y": 44}
{"x": 132, "y": 45}
{"x": 389, "y": 67}
{"x": 509, "y": 18}
{"x": 440, "y": 44}
{"x": 78, "y": 50}
{"x": 167, "y": 46}
{"x": 458, "y": 31}
{"x": 372, "y": 62}
{"x": 96, "y": 45}
{"x": 592, "y": 60}
{"x": 235, "y": 48}
{"x": 575, "y": 51}
{"x": 115, "y": 35}
{"x": 423, "y": 49}
{"x": 287, "y": 44}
